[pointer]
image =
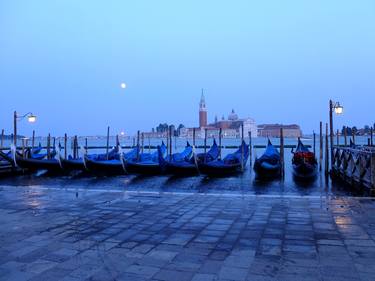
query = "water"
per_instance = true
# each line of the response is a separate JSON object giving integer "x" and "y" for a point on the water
{"x": 242, "y": 183}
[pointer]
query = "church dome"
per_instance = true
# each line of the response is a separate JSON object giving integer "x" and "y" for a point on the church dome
{"x": 232, "y": 116}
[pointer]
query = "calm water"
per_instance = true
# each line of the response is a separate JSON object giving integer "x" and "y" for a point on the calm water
{"x": 241, "y": 183}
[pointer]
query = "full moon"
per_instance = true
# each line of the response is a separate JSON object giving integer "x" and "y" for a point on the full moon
{"x": 123, "y": 85}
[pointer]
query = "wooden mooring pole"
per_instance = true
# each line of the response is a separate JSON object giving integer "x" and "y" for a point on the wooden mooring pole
{"x": 242, "y": 149}
{"x": 371, "y": 136}
{"x": 321, "y": 146}
{"x": 138, "y": 145}
{"x": 75, "y": 147}
{"x": 372, "y": 191}
{"x": 15, "y": 128}
{"x": 49, "y": 146}
{"x": 33, "y": 140}
{"x": 346, "y": 136}
{"x": 220, "y": 130}
{"x": 170, "y": 143}
{"x": 142, "y": 141}
{"x": 205, "y": 142}
{"x": 250, "y": 149}
{"x": 65, "y": 146}
{"x": 107, "y": 150}
{"x": 282, "y": 160}
{"x": 2, "y": 138}
{"x": 314, "y": 142}
{"x": 86, "y": 146}
{"x": 326, "y": 168}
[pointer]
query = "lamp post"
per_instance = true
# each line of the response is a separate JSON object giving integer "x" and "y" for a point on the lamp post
{"x": 339, "y": 109}
{"x": 30, "y": 117}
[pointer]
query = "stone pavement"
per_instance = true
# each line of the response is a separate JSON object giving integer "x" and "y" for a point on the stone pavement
{"x": 67, "y": 234}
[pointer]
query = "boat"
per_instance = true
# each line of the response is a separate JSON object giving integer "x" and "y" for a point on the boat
{"x": 231, "y": 164}
{"x": 35, "y": 164}
{"x": 6, "y": 159}
{"x": 37, "y": 149}
{"x": 269, "y": 164}
{"x": 113, "y": 165}
{"x": 146, "y": 163}
{"x": 71, "y": 164}
{"x": 36, "y": 153}
{"x": 187, "y": 163}
{"x": 304, "y": 162}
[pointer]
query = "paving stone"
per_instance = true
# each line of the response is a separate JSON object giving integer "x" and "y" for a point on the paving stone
{"x": 142, "y": 270}
{"x": 204, "y": 277}
{"x": 184, "y": 237}
{"x": 173, "y": 275}
{"x": 233, "y": 273}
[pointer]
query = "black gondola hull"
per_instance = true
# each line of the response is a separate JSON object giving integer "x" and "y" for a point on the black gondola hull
{"x": 220, "y": 171}
{"x": 51, "y": 165}
{"x": 266, "y": 170}
{"x": 72, "y": 165}
{"x": 143, "y": 169}
{"x": 305, "y": 170}
{"x": 103, "y": 168}
{"x": 185, "y": 170}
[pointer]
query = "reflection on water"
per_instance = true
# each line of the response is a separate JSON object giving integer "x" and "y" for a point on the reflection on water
{"x": 240, "y": 183}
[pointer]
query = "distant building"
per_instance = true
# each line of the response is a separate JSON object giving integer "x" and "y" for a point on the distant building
{"x": 231, "y": 127}
{"x": 202, "y": 112}
{"x": 273, "y": 130}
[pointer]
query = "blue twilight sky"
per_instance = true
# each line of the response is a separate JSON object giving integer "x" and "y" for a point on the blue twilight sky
{"x": 275, "y": 61}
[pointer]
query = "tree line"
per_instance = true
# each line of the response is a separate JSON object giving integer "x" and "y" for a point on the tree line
{"x": 366, "y": 130}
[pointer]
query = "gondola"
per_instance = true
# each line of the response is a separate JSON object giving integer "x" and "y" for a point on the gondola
{"x": 304, "y": 162}
{"x": 187, "y": 163}
{"x": 269, "y": 164}
{"x": 6, "y": 159}
{"x": 33, "y": 164}
{"x": 146, "y": 163}
{"x": 231, "y": 164}
{"x": 71, "y": 164}
{"x": 102, "y": 165}
{"x": 36, "y": 153}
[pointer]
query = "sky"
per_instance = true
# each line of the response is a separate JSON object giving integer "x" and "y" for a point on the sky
{"x": 275, "y": 61}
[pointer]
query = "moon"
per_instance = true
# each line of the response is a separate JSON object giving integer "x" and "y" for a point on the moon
{"x": 123, "y": 85}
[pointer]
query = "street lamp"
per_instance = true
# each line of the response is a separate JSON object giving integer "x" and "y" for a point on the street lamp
{"x": 31, "y": 118}
{"x": 339, "y": 109}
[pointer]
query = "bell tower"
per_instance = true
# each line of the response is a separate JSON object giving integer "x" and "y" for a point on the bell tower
{"x": 202, "y": 112}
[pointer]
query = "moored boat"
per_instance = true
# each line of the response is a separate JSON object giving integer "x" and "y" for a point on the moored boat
{"x": 269, "y": 164}
{"x": 304, "y": 162}
{"x": 102, "y": 165}
{"x": 35, "y": 164}
{"x": 187, "y": 163}
{"x": 231, "y": 164}
{"x": 146, "y": 163}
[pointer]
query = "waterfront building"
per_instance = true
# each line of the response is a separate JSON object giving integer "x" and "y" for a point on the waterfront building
{"x": 273, "y": 130}
{"x": 231, "y": 127}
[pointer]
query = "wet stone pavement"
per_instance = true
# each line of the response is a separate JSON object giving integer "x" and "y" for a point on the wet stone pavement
{"x": 66, "y": 234}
